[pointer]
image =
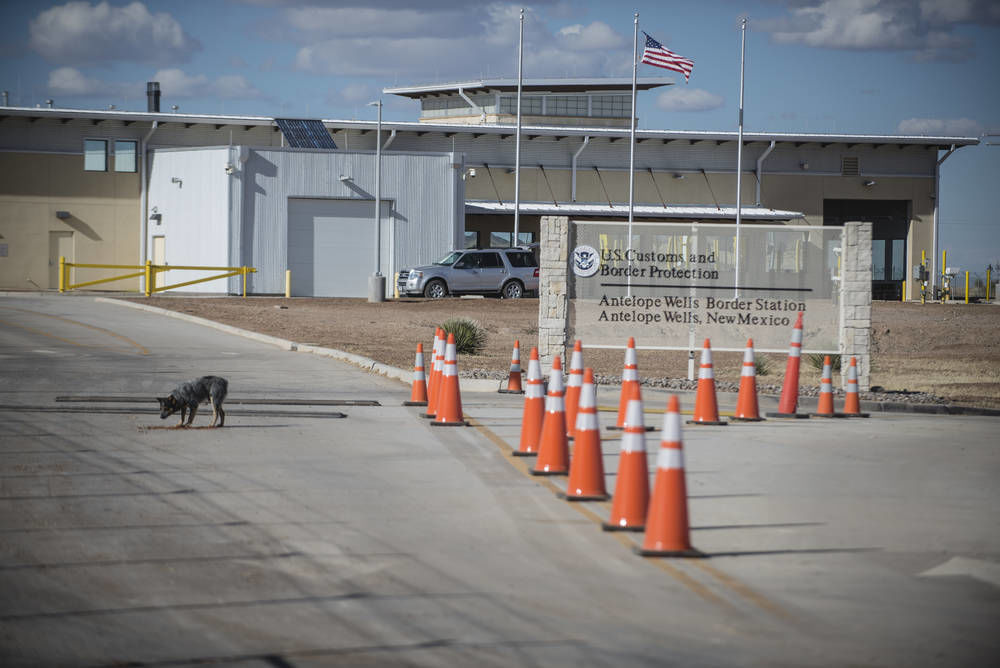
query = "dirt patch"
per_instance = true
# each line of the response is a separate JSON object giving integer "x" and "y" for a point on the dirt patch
{"x": 952, "y": 351}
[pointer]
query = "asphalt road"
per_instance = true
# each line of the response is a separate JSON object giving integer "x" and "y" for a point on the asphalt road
{"x": 293, "y": 537}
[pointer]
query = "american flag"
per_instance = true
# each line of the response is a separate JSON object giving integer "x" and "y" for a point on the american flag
{"x": 660, "y": 56}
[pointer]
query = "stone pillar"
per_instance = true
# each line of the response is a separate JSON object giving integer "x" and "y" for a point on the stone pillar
{"x": 856, "y": 301}
{"x": 553, "y": 300}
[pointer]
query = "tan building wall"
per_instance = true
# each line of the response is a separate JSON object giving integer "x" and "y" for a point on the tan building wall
{"x": 103, "y": 226}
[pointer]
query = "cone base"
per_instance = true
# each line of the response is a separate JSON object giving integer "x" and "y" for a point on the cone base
{"x": 715, "y": 423}
{"x": 686, "y": 554}
{"x": 461, "y": 423}
{"x": 524, "y": 453}
{"x": 414, "y": 403}
{"x": 538, "y": 472}
{"x": 615, "y": 427}
{"x": 827, "y": 415}
{"x": 583, "y": 497}
{"x": 510, "y": 391}
{"x": 429, "y": 416}
{"x": 856, "y": 415}
{"x": 615, "y": 527}
{"x": 795, "y": 416}
{"x": 746, "y": 419}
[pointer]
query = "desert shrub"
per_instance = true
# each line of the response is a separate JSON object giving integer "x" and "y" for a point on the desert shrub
{"x": 470, "y": 337}
{"x": 816, "y": 361}
{"x": 762, "y": 365}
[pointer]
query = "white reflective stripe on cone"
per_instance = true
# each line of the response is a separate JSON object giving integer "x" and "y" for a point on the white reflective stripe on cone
{"x": 670, "y": 459}
{"x": 554, "y": 403}
{"x": 672, "y": 427}
{"x": 586, "y": 422}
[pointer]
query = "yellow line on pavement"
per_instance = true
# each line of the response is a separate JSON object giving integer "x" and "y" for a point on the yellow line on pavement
{"x": 521, "y": 465}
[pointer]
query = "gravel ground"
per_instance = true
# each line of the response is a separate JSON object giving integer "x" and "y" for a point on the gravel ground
{"x": 934, "y": 353}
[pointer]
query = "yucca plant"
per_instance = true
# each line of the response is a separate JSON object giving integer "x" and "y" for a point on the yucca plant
{"x": 470, "y": 337}
{"x": 816, "y": 361}
{"x": 762, "y": 365}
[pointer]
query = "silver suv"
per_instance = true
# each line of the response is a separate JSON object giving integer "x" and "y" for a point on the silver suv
{"x": 508, "y": 272}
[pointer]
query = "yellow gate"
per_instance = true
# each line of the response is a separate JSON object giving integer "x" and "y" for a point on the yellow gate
{"x": 149, "y": 271}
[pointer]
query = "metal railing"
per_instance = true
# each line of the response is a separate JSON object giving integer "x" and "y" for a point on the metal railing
{"x": 149, "y": 271}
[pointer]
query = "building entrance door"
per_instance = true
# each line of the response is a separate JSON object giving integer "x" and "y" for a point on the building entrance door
{"x": 890, "y": 225}
{"x": 60, "y": 245}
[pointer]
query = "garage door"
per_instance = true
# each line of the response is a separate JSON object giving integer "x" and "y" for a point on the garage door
{"x": 331, "y": 246}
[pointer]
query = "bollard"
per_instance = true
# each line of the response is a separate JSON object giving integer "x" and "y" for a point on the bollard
{"x": 288, "y": 284}
{"x": 150, "y": 278}
{"x": 966, "y": 287}
{"x": 902, "y": 297}
{"x": 62, "y": 273}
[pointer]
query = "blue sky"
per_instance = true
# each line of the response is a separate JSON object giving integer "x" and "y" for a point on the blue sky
{"x": 839, "y": 66}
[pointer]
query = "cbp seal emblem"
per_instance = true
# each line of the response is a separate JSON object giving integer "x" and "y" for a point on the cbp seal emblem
{"x": 585, "y": 261}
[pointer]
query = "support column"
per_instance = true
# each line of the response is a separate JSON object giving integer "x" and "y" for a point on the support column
{"x": 553, "y": 298}
{"x": 856, "y": 302}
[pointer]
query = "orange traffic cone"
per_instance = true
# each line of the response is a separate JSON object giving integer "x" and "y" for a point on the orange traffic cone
{"x": 437, "y": 363}
{"x": 586, "y": 469}
{"x": 746, "y": 401}
{"x": 630, "y": 385}
{"x": 553, "y": 450}
{"x": 418, "y": 395}
{"x": 449, "y": 409}
{"x": 789, "y": 401}
{"x": 667, "y": 528}
{"x": 852, "y": 406}
{"x": 824, "y": 407}
{"x": 573, "y": 387}
{"x": 514, "y": 379}
{"x": 534, "y": 409}
{"x": 706, "y": 407}
{"x": 628, "y": 507}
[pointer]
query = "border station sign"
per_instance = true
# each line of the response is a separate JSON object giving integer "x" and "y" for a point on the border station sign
{"x": 674, "y": 284}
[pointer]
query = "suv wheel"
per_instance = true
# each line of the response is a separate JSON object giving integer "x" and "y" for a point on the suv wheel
{"x": 435, "y": 289}
{"x": 512, "y": 290}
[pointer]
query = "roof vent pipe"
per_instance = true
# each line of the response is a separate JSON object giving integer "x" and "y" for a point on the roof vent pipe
{"x": 153, "y": 96}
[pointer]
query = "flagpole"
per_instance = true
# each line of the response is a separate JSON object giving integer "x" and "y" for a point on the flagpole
{"x": 739, "y": 156}
{"x": 517, "y": 140}
{"x": 631, "y": 145}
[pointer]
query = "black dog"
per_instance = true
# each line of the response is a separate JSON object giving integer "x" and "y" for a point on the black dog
{"x": 188, "y": 396}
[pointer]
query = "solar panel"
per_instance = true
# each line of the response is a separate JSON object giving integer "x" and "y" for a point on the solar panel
{"x": 305, "y": 133}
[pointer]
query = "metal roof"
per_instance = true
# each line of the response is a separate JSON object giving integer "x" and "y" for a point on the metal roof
{"x": 621, "y": 210}
{"x": 532, "y": 85}
{"x": 527, "y": 132}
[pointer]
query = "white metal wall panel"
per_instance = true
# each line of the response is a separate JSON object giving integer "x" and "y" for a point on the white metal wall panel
{"x": 194, "y": 213}
{"x": 331, "y": 247}
{"x": 423, "y": 205}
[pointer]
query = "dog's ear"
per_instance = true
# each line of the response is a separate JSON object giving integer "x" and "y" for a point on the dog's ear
{"x": 162, "y": 400}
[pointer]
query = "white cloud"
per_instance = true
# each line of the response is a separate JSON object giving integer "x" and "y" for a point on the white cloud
{"x": 71, "y": 82}
{"x": 925, "y": 28}
{"x": 355, "y": 93}
{"x": 449, "y": 44}
{"x": 596, "y": 36}
{"x": 688, "y": 99}
{"x": 940, "y": 127}
{"x": 79, "y": 33}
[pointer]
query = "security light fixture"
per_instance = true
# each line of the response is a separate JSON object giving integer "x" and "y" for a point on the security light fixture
{"x": 178, "y": 181}
{"x": 678, "y": 176}
{"x": 869, "y": 184}
{"x": 62, "y": 215}
{"x": 345, "y": 178}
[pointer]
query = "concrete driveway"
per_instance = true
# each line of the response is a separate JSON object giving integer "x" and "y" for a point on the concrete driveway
{"x": 296, "y": 537}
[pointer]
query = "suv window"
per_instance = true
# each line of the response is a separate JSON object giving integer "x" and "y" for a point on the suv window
{"x": 491, "y": 260}
{"x": 468, "y": 261}
{"x": 521, "y": 259}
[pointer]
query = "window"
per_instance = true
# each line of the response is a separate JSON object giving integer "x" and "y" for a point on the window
{"x": 125, "y": 156}
{"x": 503, "y": 239}
{"x": 522, "y": 259}
{"x": 530, "y": 104}
{"x": 612, "y": 106}
{"x": 471, "y": 239}
{"x": 95, "y": 155}
{"x": 566, "y": 105}
{"x": 491, "y": 261}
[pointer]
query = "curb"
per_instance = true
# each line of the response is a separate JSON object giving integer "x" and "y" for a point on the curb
{"x": 366, "y": 363}
{"x": 490, "y": 385}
